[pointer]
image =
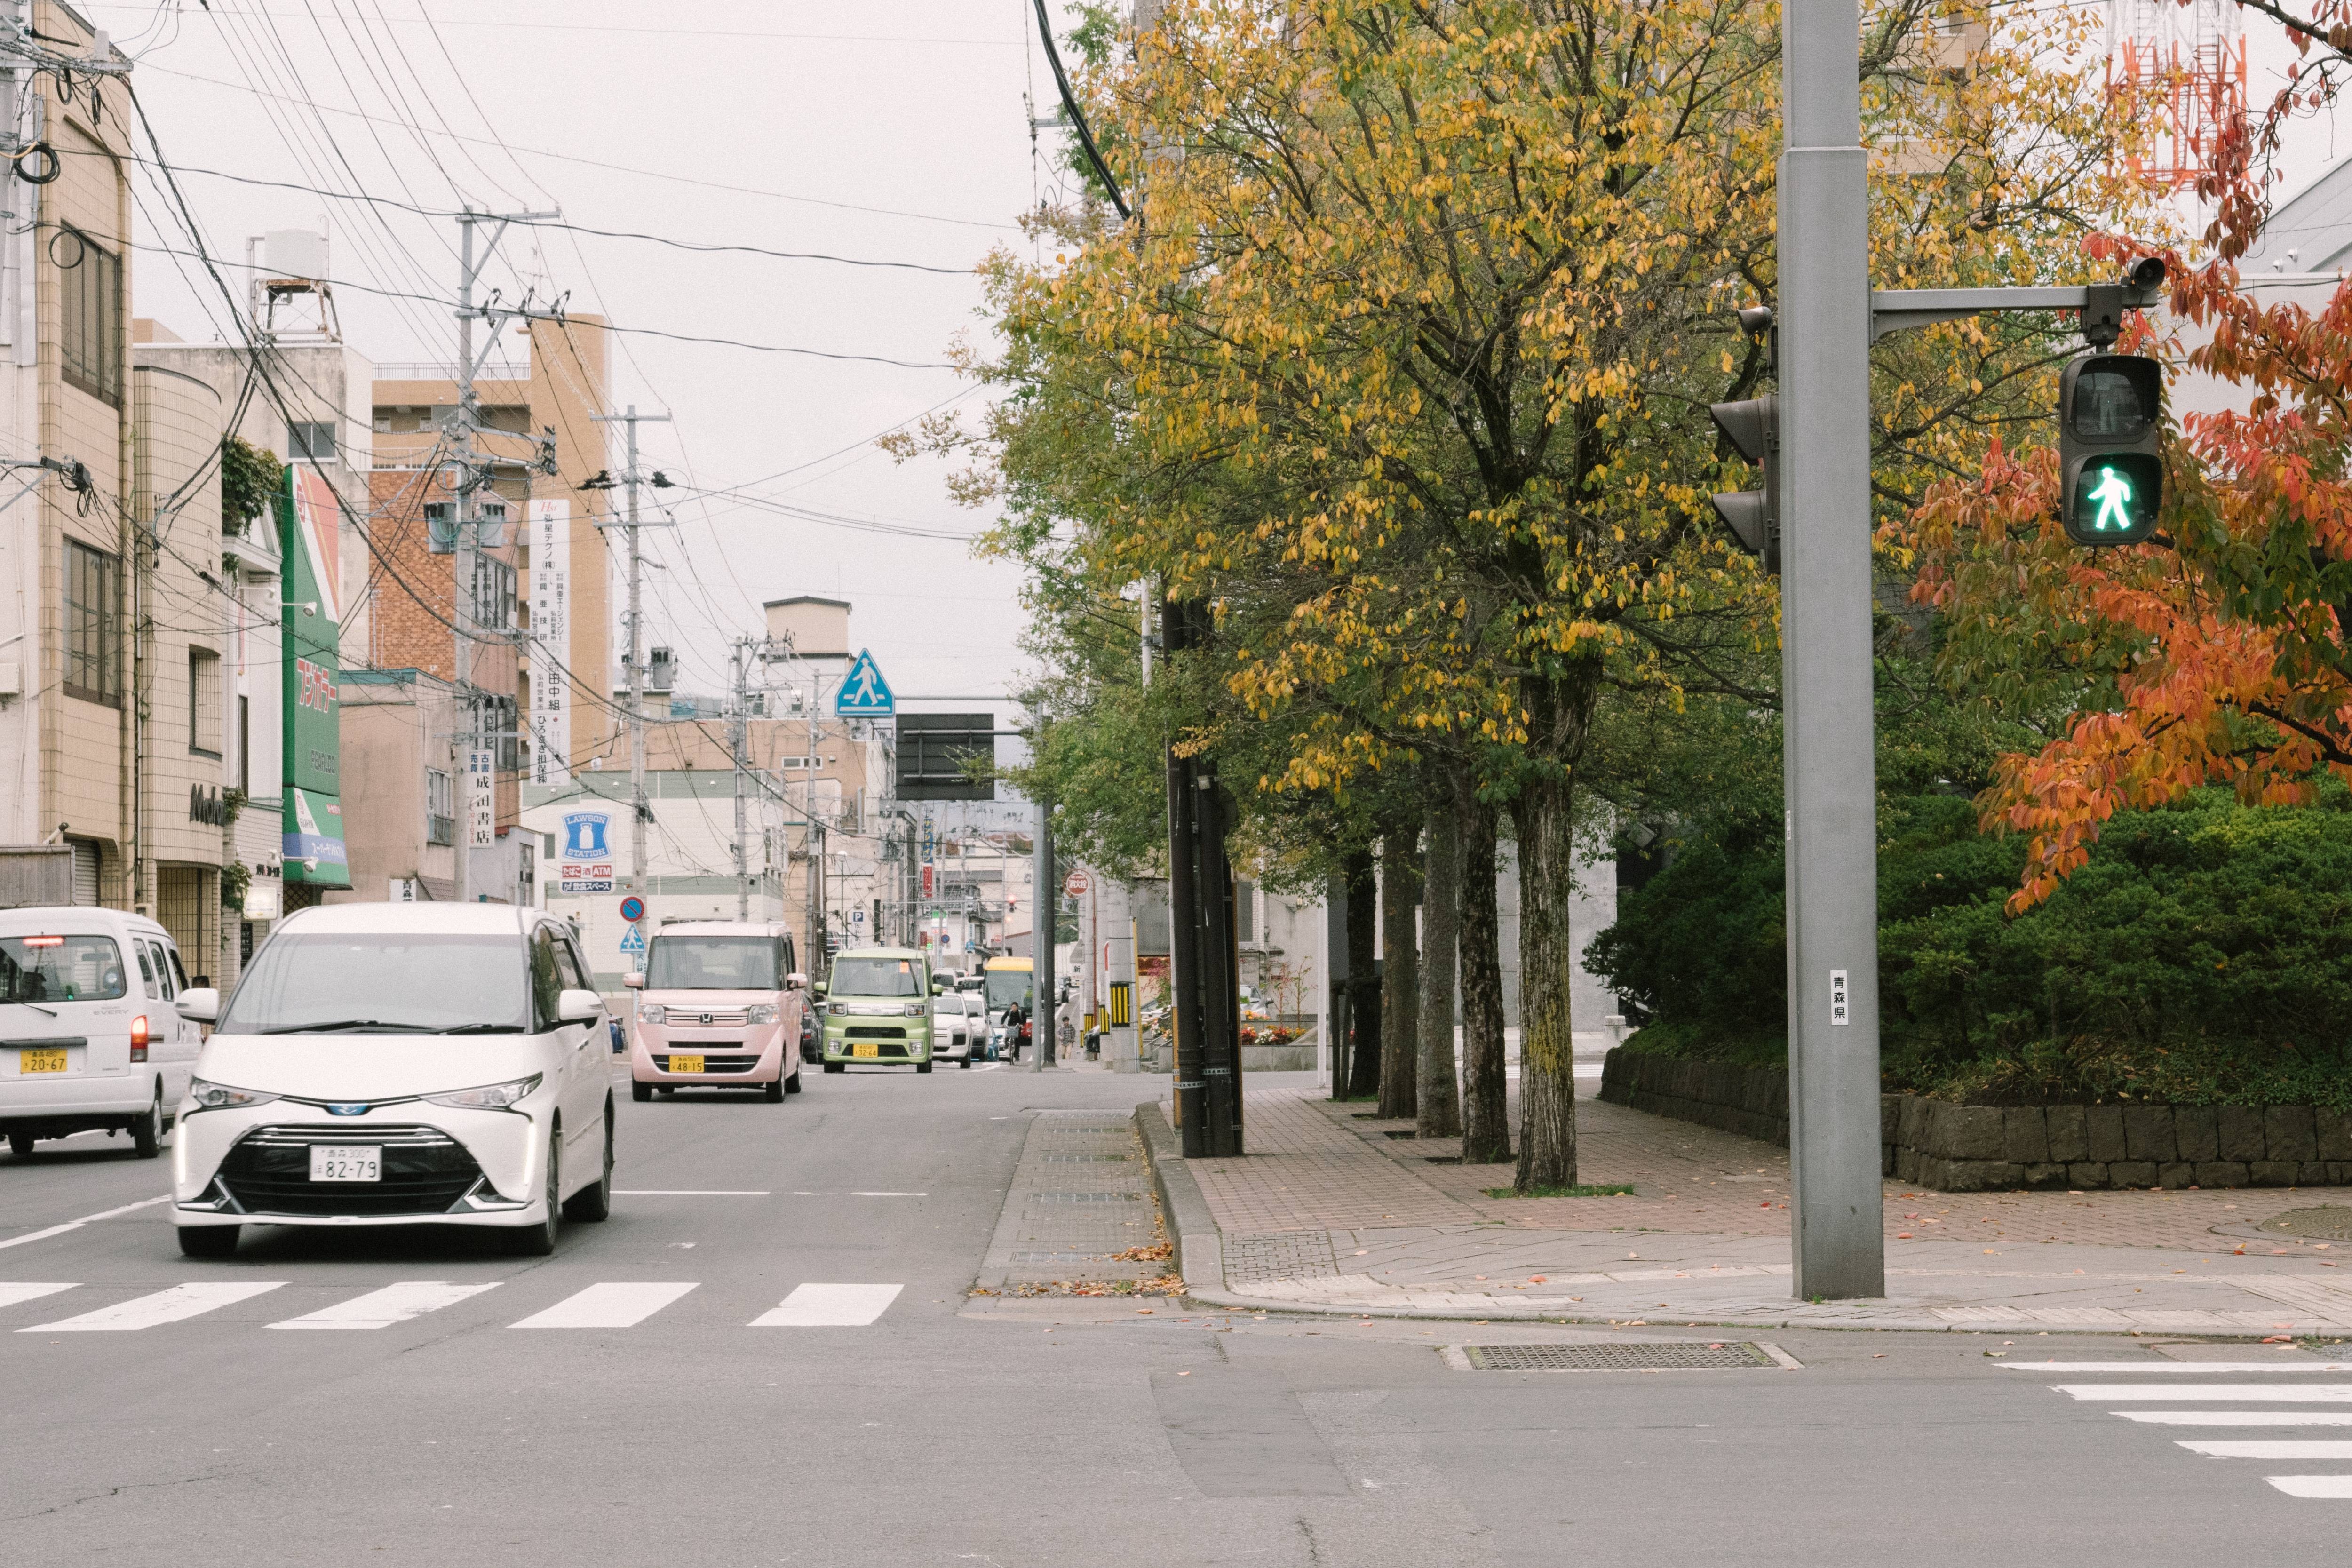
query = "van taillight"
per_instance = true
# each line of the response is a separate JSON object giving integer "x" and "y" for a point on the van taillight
{"x": 139, "y": 1038}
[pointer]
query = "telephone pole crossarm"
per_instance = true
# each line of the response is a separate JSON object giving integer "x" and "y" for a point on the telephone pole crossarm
{"x": 1898, "y": 310}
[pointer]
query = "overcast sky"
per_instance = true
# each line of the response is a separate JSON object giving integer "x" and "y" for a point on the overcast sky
{"x": 889, "y": 132}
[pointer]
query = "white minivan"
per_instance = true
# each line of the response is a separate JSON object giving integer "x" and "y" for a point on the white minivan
{"x": 89, "y": 1036}
{"x": 394, "y": 1064}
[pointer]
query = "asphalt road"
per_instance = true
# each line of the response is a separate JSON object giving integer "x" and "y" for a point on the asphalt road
{"x": 1026, "y": 1434}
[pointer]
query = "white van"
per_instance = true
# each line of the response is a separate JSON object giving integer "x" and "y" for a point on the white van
{"x": 89, "y": 1035}
{"x": 387, "y": 1064}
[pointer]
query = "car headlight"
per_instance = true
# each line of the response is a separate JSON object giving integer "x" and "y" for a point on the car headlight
{"x": 652, "y": 1012}
{"x": 762, "y": 1012}
{"x": 839, "y": 1009}
{"x": 914, "y": 1009}
{"x": 220, "y": 1097}
{"x": 491, "y": 1096}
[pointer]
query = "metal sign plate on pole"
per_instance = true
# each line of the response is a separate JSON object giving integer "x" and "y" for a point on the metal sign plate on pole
{"x": 864, "y": 693}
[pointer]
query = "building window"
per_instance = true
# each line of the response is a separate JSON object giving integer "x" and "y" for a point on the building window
{"x": 93, "y": 664}
{"x": 440, "y": 808}
{"x": 203, "y": 702}
{"x": 498, "y": 729}
{"x": 494, "y": 595}
{"x": 312, "y": 440}
{"x": 89, "y": 285}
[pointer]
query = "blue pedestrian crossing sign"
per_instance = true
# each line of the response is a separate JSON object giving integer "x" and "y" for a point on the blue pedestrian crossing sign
{"x": 864, "y": 693}
{"x": 634, "y": 940}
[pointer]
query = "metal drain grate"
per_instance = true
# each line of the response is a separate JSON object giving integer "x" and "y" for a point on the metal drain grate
{"x": 1086, "y": 1197}
{"x": 1083, "y": 1159}
{"x": 1653, "y": 1356}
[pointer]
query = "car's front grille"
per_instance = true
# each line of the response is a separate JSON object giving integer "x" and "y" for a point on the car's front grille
{"x": 425, "y": 1172}
{"x": 713, "y": 1064}
{"x": 872, "y": 1032}
{"x": 708, "y": 1017}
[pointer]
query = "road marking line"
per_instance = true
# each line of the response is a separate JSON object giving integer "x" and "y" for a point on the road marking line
{"x": 606, "y": 1306}
{"x": 2281, "y": 1448}
{"x": 393, "y": 1304}
{"x": 172, "y": 1306}
{"x": 12, "y": 1294}
{"x": 829, "y": 1307}
{"x": 2136, "y": 1368}
{"x": 2252, "y": 1393}
{"x": 2238, "y": 1417}
{"x": 85, "y": 1219}
{"x": 889, "y": 1195}
{"x": 714, "y": 1192}
{"x": 2312, "y": 1486}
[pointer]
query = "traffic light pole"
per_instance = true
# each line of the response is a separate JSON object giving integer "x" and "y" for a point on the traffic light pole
{"x": 1826, "y": 656}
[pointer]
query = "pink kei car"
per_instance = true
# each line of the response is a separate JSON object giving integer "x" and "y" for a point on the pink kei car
{"x": 718, "y": 1007}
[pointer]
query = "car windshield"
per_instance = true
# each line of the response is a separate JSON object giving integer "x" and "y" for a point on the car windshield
{"x": 60, "y": 969}
{"x": 401, "y": 982}
{"x": 714, "y": 963}
{"x": 875, "y": 977}
{"x": 1007, "y": 986}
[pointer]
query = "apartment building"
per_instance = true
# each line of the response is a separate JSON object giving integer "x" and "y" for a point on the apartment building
{"x": 539, "y": 598}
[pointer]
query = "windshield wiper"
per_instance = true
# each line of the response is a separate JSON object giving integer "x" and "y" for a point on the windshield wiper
{"x": 480, "y": 1029}
{"x": 344, "y": 1026}
{"x": 35, "y": 1006}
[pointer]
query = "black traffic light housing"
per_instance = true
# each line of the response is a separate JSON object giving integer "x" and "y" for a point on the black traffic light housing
{"x": 1753, "y": 428}
{"x": 2110, "y": 448}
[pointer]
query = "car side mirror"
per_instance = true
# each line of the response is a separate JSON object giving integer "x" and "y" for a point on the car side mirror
{"x": 817, "y": 989}
{"x": 200, "y": 1004}
{"x": 578, "y": 1006}
{"x": 796, "y": 982}
{"x": 634, "y": 980}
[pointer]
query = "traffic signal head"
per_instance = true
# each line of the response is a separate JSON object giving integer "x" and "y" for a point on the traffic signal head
{"x": 1753, "y": 428}
{"x": 2110, "y": 438}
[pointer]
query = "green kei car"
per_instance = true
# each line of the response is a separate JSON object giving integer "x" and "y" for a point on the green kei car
{"x": 877, "y": 1008}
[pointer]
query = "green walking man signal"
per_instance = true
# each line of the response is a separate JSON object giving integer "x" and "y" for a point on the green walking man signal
{"x": 2110, "y": 439}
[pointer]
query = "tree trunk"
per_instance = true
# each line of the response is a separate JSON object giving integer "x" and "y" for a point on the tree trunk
{"x": 1561, "y": 714}
{"x": 1400, "y": 967}
{"x": 1485, "y": 1115}
{"x": 1441, "y": 1105}
{"x": 1363, "y": 1075}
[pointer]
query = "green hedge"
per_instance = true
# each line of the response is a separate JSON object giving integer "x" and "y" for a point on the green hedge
{"x": 2203, "y": 956}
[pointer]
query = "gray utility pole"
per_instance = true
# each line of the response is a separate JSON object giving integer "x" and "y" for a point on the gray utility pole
{"x": 1828, "y": 318}
{"x": 470, "y": 472}
{"x": 634, "y": 660}
{"x": 738, "y": 716}
{"x": 1826, "y": 656}
{"x": 1045, "y": 904}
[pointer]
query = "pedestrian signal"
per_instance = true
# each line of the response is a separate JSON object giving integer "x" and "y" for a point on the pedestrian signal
{"x": 1753, "y": 428}
{"x": 2110, "y": 436}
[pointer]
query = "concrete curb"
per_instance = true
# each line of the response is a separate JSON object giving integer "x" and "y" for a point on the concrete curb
{"x": 1199, "y": 1257}
{"x": 1200, "y": 1244}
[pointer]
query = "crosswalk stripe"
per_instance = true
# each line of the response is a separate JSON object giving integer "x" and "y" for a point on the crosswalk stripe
{"x": 381, "y": 1309}
{"x": 2312, "y": 1486}
{"x": 829, "y": 1307}
{"x": 172, "y": 1306}
{"x": 12, "y": 1294}
{"x": 2239, "y": 1418}
{"x": 2140, "y": 1369}
{"x": 2256, "y": 1393}
{"x": 606, "y": 1306}
{"x": 2280, "y": 1448}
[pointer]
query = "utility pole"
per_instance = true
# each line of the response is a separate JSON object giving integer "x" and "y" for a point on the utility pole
{"x": 738, "y": 706}
{"x": 639, "y": 812}
{"x": 1045, "y": 908}
{"x": 474, "y": 473}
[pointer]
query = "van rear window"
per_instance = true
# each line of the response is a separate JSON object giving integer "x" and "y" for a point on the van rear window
{"x": 60, "y": 969}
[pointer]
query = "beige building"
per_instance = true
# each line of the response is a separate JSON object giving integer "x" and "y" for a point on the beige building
{"x": 86, "y": 706}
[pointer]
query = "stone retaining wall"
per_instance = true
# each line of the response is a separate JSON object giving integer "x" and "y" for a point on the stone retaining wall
{"x": 1982, "y": 1148}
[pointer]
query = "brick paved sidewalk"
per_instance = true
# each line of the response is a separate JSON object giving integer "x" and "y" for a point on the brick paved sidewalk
{"x": 1328, "y": 1208}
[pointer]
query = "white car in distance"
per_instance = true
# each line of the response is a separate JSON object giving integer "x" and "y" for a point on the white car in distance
{"x": 957, "y": 1035}
{"x": 394, "y": 1064}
